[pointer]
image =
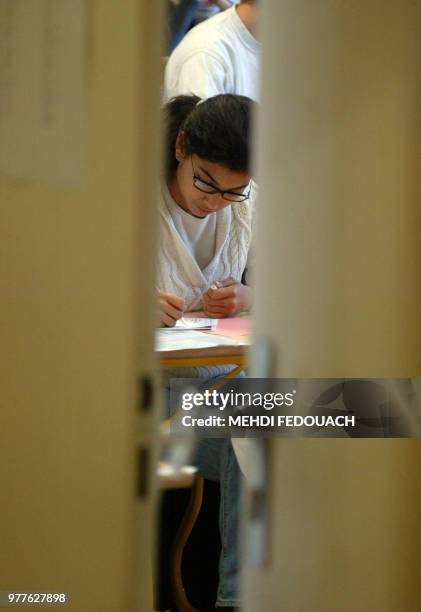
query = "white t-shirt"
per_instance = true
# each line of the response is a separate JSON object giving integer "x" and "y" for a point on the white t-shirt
{"x": 198, "y": 234}
{"x": 218, "y": 56}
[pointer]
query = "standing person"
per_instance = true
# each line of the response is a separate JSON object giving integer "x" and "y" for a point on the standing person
{"x": 220, "y": 55}
{"x": 206, "y": 219}
{"x": 180, "y": 16}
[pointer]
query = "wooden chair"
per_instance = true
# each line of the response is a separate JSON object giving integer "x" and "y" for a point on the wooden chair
{"x": 186, "y": 477}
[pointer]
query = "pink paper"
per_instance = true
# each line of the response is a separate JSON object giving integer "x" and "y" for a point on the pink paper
{"x": 233, "y": 327}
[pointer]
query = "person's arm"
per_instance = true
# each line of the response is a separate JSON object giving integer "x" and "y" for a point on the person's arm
{"x": 227, "y": 298}
{"x": 170, "y": 308}
{"x": 202, "y": 75}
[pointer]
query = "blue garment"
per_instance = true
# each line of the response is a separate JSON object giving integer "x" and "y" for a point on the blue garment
{"x": 215, "y": 459}
{"x": 180, "y": 20}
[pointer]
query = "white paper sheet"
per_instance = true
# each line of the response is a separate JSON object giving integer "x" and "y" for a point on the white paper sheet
{"x": 195, "y": 323}
{"x": 167, "y": 340}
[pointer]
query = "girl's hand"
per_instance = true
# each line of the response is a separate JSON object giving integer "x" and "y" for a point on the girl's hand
{"x": 226, "y": 298}
{"x": 170, "y": 308}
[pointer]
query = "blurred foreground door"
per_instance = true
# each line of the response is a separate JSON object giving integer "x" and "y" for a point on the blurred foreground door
{"x": 338, "y": 292}
{"x": 78, "y": 173}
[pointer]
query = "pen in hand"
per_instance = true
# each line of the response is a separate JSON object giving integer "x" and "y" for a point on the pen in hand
{"x": 170, "y": 308}
{"x": 216, "y": 285}
{"x": 225, "y": 298}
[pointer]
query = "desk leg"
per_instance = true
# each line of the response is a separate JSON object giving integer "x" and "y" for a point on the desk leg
{"x": 234, "y": 372}
{"x": 221, "y": 381}
{"x": 187, "y": 524}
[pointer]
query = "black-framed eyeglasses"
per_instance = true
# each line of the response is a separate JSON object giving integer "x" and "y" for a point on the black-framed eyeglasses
{"x": 230, "y": 196}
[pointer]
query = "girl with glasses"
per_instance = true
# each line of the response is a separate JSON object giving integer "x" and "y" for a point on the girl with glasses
{"x": 206, "y": 208}
{"x": 206, "y": 221}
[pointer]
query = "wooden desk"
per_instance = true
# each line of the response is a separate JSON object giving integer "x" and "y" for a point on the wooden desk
{"x": 230, "y": 348}
{"x": 214, "y": 355}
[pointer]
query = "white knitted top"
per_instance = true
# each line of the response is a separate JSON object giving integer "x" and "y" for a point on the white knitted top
{"x": 178, "y": 271}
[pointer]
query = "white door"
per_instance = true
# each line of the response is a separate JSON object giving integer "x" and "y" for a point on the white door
{"x": 338, "y": 253}
{"x": 78, "y": 177}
